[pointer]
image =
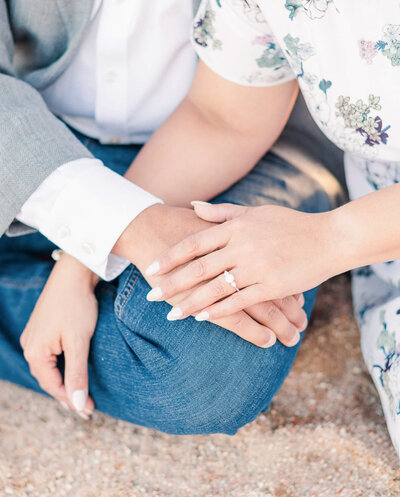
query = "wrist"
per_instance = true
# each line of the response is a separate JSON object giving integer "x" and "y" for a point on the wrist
{"x": 348, "y": 240}
{"x": 73, "y": 268}
{"x": 133, "y": 238}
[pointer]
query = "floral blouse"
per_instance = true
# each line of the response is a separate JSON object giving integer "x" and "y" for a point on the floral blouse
{"x": 345, "y": 55}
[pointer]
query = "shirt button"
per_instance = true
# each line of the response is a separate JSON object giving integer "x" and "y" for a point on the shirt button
{"x": 110, "y": 76}
{"x": 114, "y": 140}
{"x": 64, "y": 232}
{"x": 88, "y": 248}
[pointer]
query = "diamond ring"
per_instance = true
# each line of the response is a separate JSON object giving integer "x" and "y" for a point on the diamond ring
{"x": 230, "y": 279}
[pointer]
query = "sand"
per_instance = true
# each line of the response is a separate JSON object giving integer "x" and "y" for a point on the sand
{"x": 325, "y": 436}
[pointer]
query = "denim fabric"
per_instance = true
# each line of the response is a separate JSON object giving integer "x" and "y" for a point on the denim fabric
{"x": 179, "y": 377}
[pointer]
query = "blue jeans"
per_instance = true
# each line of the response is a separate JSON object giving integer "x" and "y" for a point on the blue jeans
{"x": 180, "y": 377}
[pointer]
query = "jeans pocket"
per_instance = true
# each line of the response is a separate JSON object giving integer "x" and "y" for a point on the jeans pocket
{"x": 157, "y": 342}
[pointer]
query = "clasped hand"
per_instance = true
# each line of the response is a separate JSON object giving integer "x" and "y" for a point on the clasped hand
{"x": 65, "y": 316}
{"x": 270, "y": 251}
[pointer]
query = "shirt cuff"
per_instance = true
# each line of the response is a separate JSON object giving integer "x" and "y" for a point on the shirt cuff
{"x": 84, "y": 207}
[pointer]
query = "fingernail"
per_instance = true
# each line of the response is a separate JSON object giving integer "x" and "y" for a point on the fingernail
{"x": 155, "y": 294}
{"x": 271, "y": 341}
{"x": 79, "y": 398}
{"x": 294, "y": 339}
{"x": 153, "y": 269}
{"x": 202, "y": 316}
{"x": 64, "y": 405}
{"x": 83, "y": 416}
{"x": 174, "y": 314}
{"x": 303, "y": 325}
{"x": 199, "y": 202}
{"x": 302, "y": 300}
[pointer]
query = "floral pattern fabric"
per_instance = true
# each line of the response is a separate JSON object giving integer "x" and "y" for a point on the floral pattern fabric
{"x": 348, "y": 69}
{"x": 346, "y": 58}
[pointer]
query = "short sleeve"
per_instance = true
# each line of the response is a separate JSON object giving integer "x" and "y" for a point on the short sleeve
{"x": 235, "y": 41}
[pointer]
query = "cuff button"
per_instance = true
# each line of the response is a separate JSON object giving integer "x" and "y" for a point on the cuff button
{"x": 64, "y": 232}
{"x": 88, "y": 248}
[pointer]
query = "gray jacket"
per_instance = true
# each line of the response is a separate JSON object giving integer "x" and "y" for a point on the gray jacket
{"x": 45, "y": 34}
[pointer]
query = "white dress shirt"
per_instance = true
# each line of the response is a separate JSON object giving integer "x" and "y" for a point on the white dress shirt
{"x": 133, "y": 68}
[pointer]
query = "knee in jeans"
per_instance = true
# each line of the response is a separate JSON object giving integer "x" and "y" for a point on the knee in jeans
{"x": 220, "y": 406}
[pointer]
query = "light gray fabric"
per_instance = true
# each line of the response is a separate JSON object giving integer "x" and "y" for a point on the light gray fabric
{"x": 33, "y": 142}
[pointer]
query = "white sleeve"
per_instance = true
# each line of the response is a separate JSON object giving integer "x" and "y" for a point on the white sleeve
{"x": 84, "y": 207}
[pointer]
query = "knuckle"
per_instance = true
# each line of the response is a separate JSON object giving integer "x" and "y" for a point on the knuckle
{"x": 31, "y": 356}
{"x": 270, "y": 313}
{"x": 199, "y": 268}
{"x": 191, "y": 244}
{"x": 285, "y": 302}
{"x": 218, "y": 289}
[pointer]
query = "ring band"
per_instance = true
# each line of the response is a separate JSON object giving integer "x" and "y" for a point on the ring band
{"x": 230, "y": 279}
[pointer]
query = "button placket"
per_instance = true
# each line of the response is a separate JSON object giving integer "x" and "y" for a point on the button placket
{"x": 112, "y": 65}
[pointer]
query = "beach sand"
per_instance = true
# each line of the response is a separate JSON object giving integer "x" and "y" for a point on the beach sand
{"x": 324, "y": 436}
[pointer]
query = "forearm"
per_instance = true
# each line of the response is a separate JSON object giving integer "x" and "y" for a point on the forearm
{"x": 209, "y": 143}
{"x": 367, "y": 229}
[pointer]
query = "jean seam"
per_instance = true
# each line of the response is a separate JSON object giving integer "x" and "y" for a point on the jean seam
{"x": 129, "y": 286}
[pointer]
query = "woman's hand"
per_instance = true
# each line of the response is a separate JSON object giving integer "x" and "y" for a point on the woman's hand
{"x": 63, "y": 321}
{"x": 271, "y": 252}
{"x": 160, "y": 227}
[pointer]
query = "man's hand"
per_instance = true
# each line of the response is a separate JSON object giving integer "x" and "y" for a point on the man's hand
{"x": 159, "y": 227}
{"x": 63, "y": 321}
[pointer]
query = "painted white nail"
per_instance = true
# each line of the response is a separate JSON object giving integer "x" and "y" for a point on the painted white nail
{"x": 174, "y": 314}
{"x": 153, "y": 269}
{"x": 202, "y": 316}
{"x": 199, "y": 202}
{"x": 79, "y": 398}
{"x": 155, "y": 294}
{"x": 64, "y": 405}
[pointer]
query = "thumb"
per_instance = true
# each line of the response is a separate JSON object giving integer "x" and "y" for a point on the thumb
{"x": 217, "y": 213}
{"x": 76, "y": 374}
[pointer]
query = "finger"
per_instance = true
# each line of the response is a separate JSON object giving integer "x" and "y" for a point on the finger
{"x": 50, "y": 380}
{"x": 196, "y": 272}
{"x": 292, "y": 309}
{"x": 232, "y": 304}
{"x": 191, "y": 247}
{"x": 47, "y": 374}
{"x": 207, "y": 294}
{"x": 76, "y": 352}
{"x": 247, "y": 328}
{"x": 217, "y": 213}
{"x": 268, "y": 314}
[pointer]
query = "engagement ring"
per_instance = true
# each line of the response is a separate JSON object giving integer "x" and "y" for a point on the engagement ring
{"x": 229, "y": 278}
